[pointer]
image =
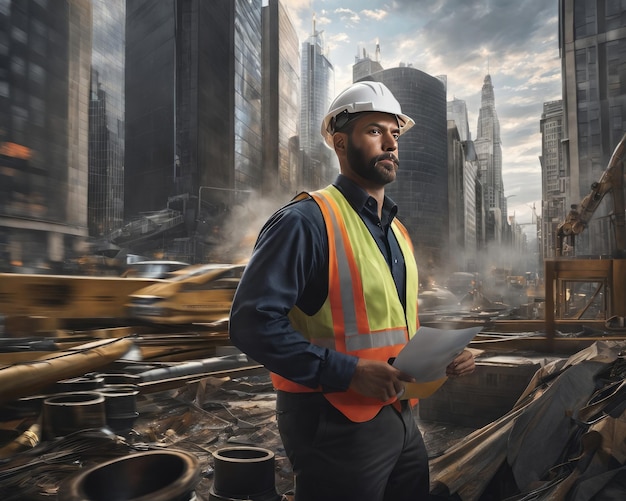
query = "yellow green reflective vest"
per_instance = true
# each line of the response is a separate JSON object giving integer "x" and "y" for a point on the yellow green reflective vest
{"x": 362, "y": 314}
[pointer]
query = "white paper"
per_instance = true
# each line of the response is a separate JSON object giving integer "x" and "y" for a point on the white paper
{"x": 430, "y": 351}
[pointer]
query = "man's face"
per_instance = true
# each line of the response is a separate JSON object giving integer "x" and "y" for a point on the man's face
{"x": 371, "y": 148}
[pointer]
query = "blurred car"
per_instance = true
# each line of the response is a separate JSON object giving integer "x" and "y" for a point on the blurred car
{"x": 153, "y": 269}
{"x": 196, "y": 294}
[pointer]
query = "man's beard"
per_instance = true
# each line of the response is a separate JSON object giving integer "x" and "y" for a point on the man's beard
{"x": 369, "y": 168}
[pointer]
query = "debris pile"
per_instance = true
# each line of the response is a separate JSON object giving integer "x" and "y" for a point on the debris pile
{"x": 563, "y": 439}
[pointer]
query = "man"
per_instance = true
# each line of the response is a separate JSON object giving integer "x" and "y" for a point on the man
{"x": 328, "y": 297}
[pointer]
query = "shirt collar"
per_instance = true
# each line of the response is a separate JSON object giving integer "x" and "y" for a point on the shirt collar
{"x": 364, "y": 203}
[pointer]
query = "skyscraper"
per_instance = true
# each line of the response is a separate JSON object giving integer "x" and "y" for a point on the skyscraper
{"x": 554, "y": 177}
{"x": 193, "y": 113}
{"x": 489, "y": 152}
{"x": 592, "y": 43}
{"x": 421, "y": 188}
{"x": 319, "y": 164}
{"x": 364, "y": 65}
{"x": 281, "y": 92}
{"x": 106, "y": 119}
{"x": 46, "y": 48}
{"x": 457, "y": 111}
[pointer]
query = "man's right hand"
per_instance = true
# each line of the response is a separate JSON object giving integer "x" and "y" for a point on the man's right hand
{"x": 379, "y": 380}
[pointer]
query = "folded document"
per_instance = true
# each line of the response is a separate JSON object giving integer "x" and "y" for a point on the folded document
{"x": 426, "y": 356}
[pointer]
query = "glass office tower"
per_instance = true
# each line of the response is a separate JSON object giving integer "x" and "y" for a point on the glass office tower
{"x": 554, "y": 175}
{"x": 592, "y": 43}
{"x": 45, "y": 51}
{"x": 319, "y": 163}
{"x": 421, "y": 188}
{"x": 106, "y": 118}
{"x": 281, "y": 103}
{"x": 193, "y": 112}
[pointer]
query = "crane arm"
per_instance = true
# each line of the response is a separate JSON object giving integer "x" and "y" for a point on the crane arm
{"x": 612, "y": 180}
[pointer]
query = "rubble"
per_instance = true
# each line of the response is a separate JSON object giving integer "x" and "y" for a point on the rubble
{"x": 562, "y": 436}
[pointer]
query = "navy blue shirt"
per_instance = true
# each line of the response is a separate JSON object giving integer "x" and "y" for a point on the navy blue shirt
{"x": 289, "y": 266}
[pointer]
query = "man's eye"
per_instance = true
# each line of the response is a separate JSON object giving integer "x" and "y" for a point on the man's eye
{"x": 396, "y": 136}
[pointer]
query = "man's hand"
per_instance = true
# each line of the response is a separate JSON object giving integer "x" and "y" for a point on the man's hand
{"x": 461, "y": 365}
{"x": 379, "y": 380}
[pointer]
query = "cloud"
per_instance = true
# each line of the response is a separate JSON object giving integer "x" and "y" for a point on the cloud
{"x": 337, "y": 41}
{"x": 377, "y": 15}
{"x": 322, "y": 20}
{"x": 476, "y": 34}
{"x": 347, "y": 15}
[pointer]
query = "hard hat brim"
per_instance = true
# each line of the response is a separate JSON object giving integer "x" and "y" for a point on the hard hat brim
{"x": 405, "y": 122}
{"x": 362, "y": 97}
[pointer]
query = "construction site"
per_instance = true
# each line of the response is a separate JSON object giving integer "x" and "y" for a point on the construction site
{"x": 105, "y": 376}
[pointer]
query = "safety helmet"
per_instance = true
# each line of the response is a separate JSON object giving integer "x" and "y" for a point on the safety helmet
{"x": 360, "y": 97}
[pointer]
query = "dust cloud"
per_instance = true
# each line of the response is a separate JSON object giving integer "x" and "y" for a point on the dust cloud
{"x": 234, "y": 240}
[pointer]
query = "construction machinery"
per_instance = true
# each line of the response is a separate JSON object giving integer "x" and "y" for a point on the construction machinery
{"x": 611, "y": 181}
{"x": 590, "y": 288}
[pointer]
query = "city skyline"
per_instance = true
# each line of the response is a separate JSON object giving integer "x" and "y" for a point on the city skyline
{"x": 515, "y": 42}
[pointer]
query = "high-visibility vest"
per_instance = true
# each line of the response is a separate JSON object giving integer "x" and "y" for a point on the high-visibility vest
{"x": 362, "y": 314}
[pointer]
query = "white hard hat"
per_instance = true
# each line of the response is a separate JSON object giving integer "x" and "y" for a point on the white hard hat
{"x": 360, "y": 97}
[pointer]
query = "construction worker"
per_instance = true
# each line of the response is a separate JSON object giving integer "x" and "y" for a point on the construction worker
{"x": 328, "y": 297}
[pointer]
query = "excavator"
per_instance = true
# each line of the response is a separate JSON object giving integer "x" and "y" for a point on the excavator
{"x": 611, "y": 181}
{"x": 602, "y": 280}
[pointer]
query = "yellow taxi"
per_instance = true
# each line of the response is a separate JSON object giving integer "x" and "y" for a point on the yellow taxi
{"x": 195, "y": 294}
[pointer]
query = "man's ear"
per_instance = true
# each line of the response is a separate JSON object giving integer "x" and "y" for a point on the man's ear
{"x": 339, "y": 141}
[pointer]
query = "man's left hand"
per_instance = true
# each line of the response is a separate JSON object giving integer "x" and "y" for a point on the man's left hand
{"x": 461, "y": 365}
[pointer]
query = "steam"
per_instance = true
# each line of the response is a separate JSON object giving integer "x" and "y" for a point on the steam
{"x": 241, "y": 226}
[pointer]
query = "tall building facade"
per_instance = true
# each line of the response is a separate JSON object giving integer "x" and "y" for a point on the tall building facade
{"x": 461, "y": 201}
{"x": 472, "y": 240}
{"x": 457, "y": 111}
{"x": 472, "y": 235}
{"x": 150, "y": 94}
{"x": 554, "y": 175}
{"x": 45, "y": 54}
{"x": 281, "y": 101}
{"x": 592, "y": 44}
{"x": 421, "y": 188}
{"x": 489, "y": 151}
{"x": 106, "y": 119}
{"x": 364, "y": 65}
{"x": 317, "y": 90}
{"x": 193, "y": 116}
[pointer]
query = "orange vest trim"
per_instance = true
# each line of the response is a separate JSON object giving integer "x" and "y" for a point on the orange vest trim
{"x": 348, "y": 309}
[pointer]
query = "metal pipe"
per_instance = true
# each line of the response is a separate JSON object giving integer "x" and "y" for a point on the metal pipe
{"x": 195, "y": 367}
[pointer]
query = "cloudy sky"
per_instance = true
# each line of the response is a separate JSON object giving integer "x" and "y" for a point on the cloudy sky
{"x": 516, "y": 41}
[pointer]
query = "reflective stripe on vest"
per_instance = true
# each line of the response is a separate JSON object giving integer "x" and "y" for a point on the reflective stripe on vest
{"x": 350, "y": 331}
{"x": 345, "y": 284}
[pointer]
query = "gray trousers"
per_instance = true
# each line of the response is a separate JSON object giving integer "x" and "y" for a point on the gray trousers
{"x": 333, "y": 458}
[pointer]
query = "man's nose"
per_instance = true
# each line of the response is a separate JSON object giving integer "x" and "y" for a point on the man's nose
{"x": 390, "y": 143}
